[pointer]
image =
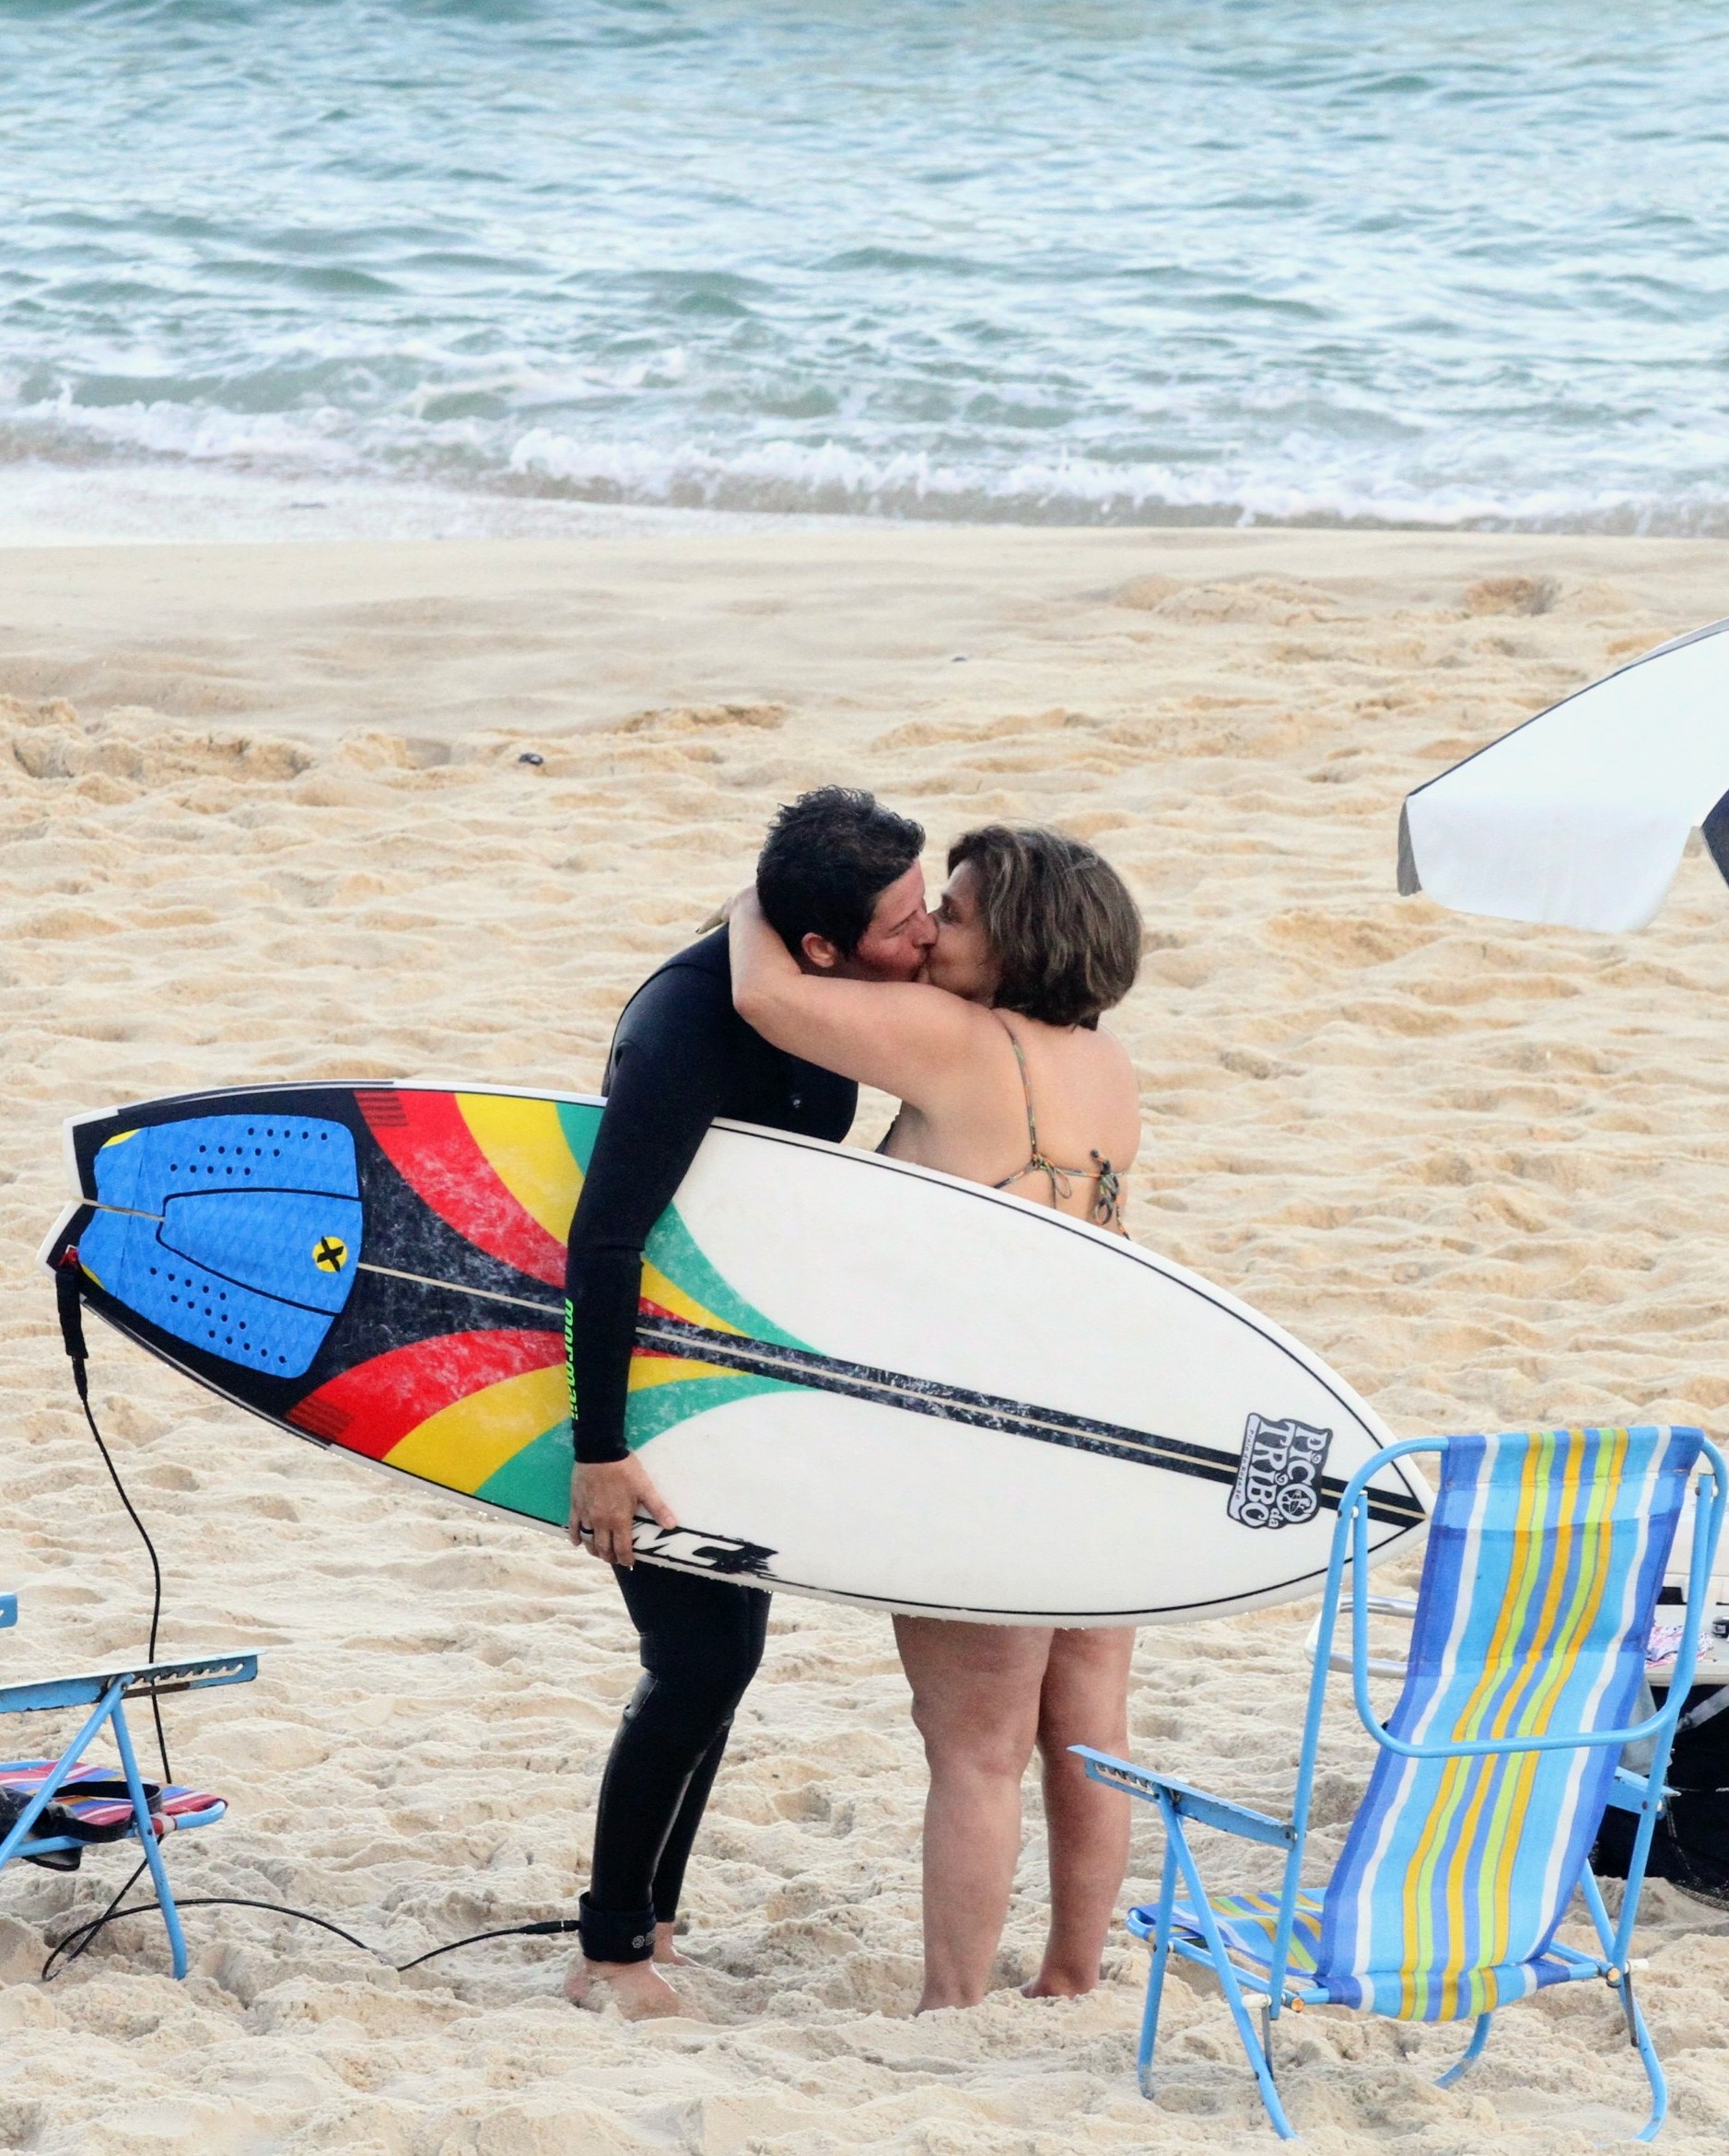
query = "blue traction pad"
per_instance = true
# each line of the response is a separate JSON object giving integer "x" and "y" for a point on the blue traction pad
{"x": 238, "y": 1234}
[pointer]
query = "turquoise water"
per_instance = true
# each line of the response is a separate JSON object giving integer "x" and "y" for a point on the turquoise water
{"x": 1398, "y": 261}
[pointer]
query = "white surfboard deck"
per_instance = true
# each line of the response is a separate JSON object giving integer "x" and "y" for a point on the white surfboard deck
{"x": 864, "y": 1381}
{"x": 1126, "y": 1391}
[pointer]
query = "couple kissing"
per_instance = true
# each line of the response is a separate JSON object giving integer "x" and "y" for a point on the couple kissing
{"x": 981, "y": 1017}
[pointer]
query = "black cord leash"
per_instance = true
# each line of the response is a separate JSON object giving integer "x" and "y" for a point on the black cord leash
{"x": 71, "y": 1311}
{"x": 80, "y": 1936}
{"x": 84, "y": 1933}
{"x": 69, "y": 1304}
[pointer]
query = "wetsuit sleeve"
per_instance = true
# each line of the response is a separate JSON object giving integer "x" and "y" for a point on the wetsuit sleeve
{"x": 671, "y": 1068}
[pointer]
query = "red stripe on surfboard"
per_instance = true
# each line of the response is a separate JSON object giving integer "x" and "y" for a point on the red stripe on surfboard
{"x": 372, "y": 1407}
{"x": 647, "y": 1307}
{"x": 429, "y": 1145}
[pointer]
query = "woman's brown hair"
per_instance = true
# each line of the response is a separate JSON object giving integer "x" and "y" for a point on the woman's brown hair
{"x": 1060, "y": 921}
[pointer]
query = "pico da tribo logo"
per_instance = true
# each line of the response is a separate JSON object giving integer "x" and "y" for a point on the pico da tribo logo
{"x": 1278, "y": 1477}
{"x": 330, "y": 1253}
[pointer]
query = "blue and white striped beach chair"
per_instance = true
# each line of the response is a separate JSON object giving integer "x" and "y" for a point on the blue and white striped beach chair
{"x": 1545, "y": 1557}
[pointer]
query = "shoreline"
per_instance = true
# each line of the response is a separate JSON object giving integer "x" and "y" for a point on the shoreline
{"x": 54, "y": 505}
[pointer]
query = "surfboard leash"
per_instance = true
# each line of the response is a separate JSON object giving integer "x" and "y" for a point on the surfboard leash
{"x": 81, "y": 1935}
{"x": 69, "y": 1303}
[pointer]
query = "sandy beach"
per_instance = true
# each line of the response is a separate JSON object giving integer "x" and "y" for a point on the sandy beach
{"x": 265, "y": 816}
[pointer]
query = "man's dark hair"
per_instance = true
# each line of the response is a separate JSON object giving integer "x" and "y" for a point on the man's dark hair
{"x": 829, "y": 857}
{"x": 1059, "y": 919}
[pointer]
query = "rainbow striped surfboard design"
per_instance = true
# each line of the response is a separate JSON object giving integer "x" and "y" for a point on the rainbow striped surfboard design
{"x": 383, "y": 1269}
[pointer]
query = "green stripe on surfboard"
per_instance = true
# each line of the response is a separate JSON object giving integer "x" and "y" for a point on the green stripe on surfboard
{"x": 535, "y": 1481}
{"x": 579, "y": 1127}
{"x": 658, "y": 1407}
{"x": 673, "y": 1249}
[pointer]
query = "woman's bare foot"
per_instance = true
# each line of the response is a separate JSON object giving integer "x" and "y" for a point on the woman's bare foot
{"x": 1060, "y": 1985}
{"x": 635, "y": 1989}
{"x": 665, "y": 1952}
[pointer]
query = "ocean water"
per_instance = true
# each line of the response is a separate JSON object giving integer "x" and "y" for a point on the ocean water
{"x": 1452, "y": 262}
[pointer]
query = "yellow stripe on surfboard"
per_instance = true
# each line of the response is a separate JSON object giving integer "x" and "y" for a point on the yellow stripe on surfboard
{"x": 667, "y": 1370}
{"x": 657, "y": 1288}
{"x": 525, "y": 1144}
{"x": 466, "y": 1443}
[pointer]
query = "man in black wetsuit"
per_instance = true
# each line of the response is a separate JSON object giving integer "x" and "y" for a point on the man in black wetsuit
{"x": 839, "y": 879}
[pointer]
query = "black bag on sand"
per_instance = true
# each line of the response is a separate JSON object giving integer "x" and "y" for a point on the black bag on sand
{"x": 1690, "y": 1846}
{"x": 55, "y": 1819}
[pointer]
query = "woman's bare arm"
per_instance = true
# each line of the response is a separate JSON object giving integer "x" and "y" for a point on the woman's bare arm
{"x": 899, "y": 1036}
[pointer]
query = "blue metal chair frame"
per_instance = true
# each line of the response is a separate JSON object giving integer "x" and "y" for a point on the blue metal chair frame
{"x": 1179, "y": 1804}
{"x": 106, "y": 1694}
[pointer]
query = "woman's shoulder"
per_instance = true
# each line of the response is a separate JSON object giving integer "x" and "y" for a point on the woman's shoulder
{"x": 1095, "y": 1063}
{"x": 1117, "y": 1066}
{"x": 1096, "y": 1046}
{"x": 1113, "y": 1051}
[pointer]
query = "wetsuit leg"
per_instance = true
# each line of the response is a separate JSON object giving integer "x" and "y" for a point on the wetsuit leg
{"x": 701, "y": 1642}
{"x": 668, "y": 1874}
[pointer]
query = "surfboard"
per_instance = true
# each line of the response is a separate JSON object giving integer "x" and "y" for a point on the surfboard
{"x": 852, "y": 1378}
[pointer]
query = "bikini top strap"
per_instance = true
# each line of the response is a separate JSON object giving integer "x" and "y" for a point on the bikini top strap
{"x": 1026, "y": 1084}
{"x": 1107, "y": 1206}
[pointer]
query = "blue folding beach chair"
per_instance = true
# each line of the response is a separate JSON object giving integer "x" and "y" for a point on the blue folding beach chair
{"x": 1546, "y": 1554}
{"x": 58, "y": 1807}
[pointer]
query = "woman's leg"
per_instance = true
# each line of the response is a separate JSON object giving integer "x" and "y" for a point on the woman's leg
{"x": 701, "y": 1642}
{"x": 975, "y": 1695}
{"x": 1084, "y": 1701}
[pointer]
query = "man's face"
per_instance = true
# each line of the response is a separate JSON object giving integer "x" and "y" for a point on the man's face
{"x": 896, "y": 944}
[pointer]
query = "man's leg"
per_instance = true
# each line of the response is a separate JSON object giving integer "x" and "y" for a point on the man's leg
{"x": 668, "y": 1874}
{"x": 1084, "y": 1701}
{"x": 975, "y": 1695}
{"x": 701, "y": 1642}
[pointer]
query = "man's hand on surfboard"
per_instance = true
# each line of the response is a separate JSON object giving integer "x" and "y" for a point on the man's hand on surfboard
{"x": 606, "y": 1498}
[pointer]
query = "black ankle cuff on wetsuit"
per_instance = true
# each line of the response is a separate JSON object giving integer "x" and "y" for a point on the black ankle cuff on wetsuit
{"x": 615, "y": 1935}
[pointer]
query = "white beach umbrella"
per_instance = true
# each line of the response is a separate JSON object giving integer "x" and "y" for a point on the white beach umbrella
{"x": 1580, "y": 816}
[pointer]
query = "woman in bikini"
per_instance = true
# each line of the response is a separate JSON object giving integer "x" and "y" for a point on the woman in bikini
{"x": 1004, "y": 1077}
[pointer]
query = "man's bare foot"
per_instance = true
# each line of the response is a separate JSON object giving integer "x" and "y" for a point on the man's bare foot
{"x": 638, "y": 1992}
{"x": 665, "y": 1952}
